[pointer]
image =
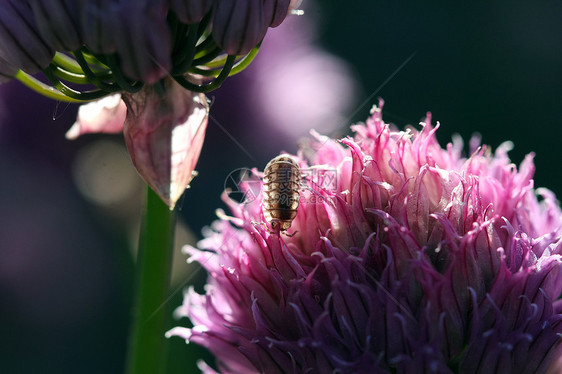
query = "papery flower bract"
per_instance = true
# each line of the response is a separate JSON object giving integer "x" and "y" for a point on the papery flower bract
{"x": 164, "y": 131}
{"x": 415, "y": 259}
{"x": 106, "y": 115}
{"x": 164, "y": 128}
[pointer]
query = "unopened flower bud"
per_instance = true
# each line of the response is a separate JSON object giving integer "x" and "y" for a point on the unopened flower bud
{"x": 95, "y": 20}
{"x": 120, "y": 45}
{"x": 7, "y": 70}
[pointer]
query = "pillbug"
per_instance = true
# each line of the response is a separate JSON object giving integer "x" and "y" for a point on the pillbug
{"x": 281, "y": 184}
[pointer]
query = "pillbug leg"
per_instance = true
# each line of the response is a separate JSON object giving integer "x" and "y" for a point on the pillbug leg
{"x": 255, "y": 223}
{"x": 290, "y": 235}
{"x": 275, "y": 227}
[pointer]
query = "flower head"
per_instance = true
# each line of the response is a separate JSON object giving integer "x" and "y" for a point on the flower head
{"x": 415, "y": 259}
{"x": 121, "y": 45}
{"x": 146, "y": 52}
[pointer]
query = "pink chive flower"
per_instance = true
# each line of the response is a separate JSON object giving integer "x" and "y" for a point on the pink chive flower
{"x": 415, "y": 259}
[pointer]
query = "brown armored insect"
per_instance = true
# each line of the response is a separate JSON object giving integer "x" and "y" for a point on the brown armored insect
{"x": 281, "y": 183}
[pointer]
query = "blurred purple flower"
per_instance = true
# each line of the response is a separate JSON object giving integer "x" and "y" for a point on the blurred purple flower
{"x": 295, "y": 70}
{"x": 415, "y": 259}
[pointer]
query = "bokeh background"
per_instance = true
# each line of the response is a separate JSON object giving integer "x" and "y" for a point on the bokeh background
{"x": 69, "y": 210}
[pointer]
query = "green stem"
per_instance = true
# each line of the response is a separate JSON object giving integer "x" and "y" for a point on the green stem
{"x": 238, "y": 66}
{"x": 67, "y": 63}
{"x": 146, "y": 346}
{"x": 185, "y": 55}
{"x": 42, "y": 88}
{"x": 92, "y": 76}
{"x": 202, "y": 48}
{"x": 68, "y": 91}
{"x": 208, "y": 87}
{"x": 210, "y": 56}
{"x": 120, "y": 78}
{"x": 70, "y": 76}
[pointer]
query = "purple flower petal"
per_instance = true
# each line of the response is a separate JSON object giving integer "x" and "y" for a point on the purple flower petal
{"x": 145, "y": 52}
{"x": 191, "y": 11}
{"x": 239, "y": 25}
{"x": 96, "y": 25}
{"x": 57, "y": 23}
{"x": 275, "y": 11}
{"x": 21, "y": 43}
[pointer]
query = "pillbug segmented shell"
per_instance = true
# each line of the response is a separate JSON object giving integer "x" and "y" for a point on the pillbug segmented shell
{"x": 281, "y": 183}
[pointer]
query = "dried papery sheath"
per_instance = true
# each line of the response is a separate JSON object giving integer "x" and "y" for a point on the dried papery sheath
{"x": 414, "y": 259}
{"x": 106, "y": 115}
{"x": 164, "y": 131}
